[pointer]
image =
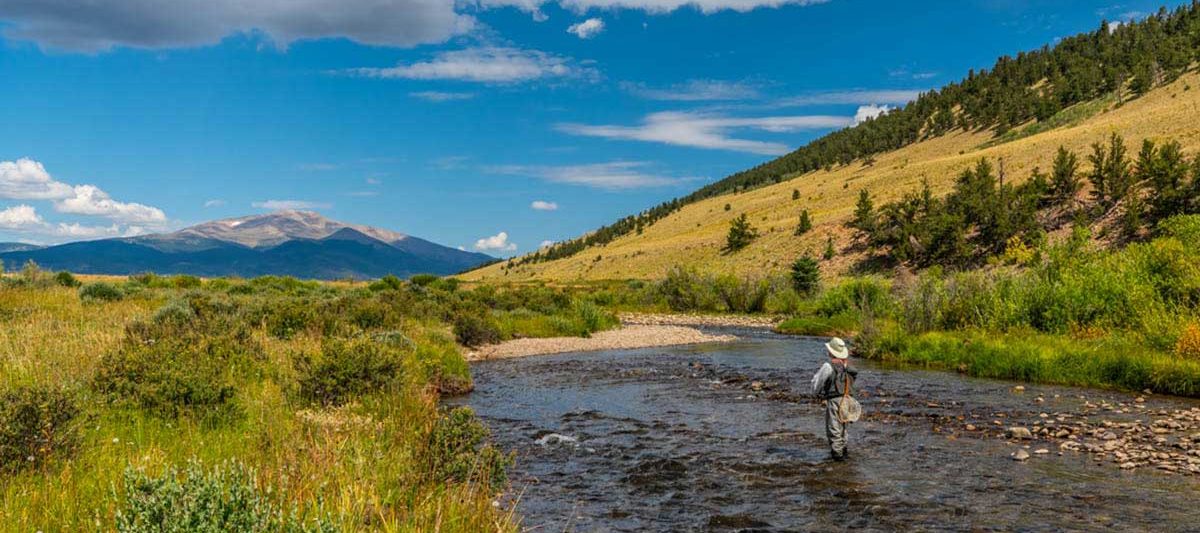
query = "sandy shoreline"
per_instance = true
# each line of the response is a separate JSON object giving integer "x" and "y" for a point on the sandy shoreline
{"x": 625, "y": 338}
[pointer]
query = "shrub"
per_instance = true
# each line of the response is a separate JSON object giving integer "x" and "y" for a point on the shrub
{"x": 423, "y": 280}
{"x": 592, "y": 317}
{"x": 66, "y": 279}
{"x": 286, "y": 318}
{"x": 855, "y": 295}
{"x": 685, "y": 289}
{"x": 347, "y": 368}
{"x": 35, "y": 425}
{"x": 472, "y": 329}
{"x": 101, "y": 292}
{"x": 386, "y": 283}
{"x": 188, "y": 375}
{"x": 227, "y": 498}
{"x": 458, "y": 452}
{"x": 1188, "y": 344}
{"x": 742, "y": 295}
{"x": 1186, "y": 228}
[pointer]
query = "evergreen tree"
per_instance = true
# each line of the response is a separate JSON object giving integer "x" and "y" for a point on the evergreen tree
{"x": 795, "y": 194}
{"x": 806, "y": 275}
{"x": 864, "y": 213}
{"x": 1065, "y": 182}
{"x": 1111, "y": 176}
{"x": 1165, "y": 171}
{"x": 829, "y": 250}
{"x": 740, "y": 235}
{"x": 805, "y": 224}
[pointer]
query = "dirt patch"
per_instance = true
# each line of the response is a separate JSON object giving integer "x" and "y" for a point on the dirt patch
{"x": 628, "y": 337}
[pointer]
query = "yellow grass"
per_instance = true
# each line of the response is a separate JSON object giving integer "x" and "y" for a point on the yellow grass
{"x": 695, "y": 234}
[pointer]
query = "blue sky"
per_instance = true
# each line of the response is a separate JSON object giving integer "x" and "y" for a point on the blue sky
{"x": 491, "y": 124}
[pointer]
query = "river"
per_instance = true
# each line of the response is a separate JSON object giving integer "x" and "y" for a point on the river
{"x": 672, "y": 439}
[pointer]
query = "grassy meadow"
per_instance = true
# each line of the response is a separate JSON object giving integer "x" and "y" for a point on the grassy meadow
{"x": 155, "y": 403}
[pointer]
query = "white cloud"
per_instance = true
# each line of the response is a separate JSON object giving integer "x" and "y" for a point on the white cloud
{"x": 898, "y": 97}
{"x": 90, "y": 200}
{"x": 545, "y": 244}
{"x": 619, "y": 175}
{"x": 96, "y": 26}
{"x": 487, "y": 64}
{"x": 214, "y": 203}
{"x": 287, "y": 205}
{"x": 542, "y": 205}
{"x": 496, "y": 243}
{"x": 441, "y": 96}
{"x": 587, "y": 29}
{"x": 374, "y": 181}
{"x": 695, "y": 91}
{"x": 26, "y": 179}
{"x": 19, "y": 217}
{"x": 653, "y": 6}
{"x": 866, "y": 112}
{"x": 701, "y": 130}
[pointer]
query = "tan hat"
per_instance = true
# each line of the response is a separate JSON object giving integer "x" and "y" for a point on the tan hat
{"x": 837, "y": 348}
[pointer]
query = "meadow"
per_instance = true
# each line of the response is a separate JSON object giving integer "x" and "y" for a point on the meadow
{"x": 155, "y": 403}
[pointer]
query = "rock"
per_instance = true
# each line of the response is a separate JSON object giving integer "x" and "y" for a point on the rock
{"x": 1017, "y": 432}
{"x": 1128, "y": 465}
{"x": 1020, "y": 455}
{"x": 1019, "y": 388}
{"x": 1041, "y": 451}
{"x": 756, "y": 385}
{"x": 970, "y": 427}
{"x": 1108, "y": 435}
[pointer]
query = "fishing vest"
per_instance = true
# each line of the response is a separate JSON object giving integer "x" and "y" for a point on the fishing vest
{"x": 835, "y": 385}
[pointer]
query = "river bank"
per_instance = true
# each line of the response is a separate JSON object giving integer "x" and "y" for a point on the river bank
{"x": 624, "y": 338}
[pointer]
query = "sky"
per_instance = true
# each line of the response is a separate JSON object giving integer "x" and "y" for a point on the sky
{"x": 491, "y": 125}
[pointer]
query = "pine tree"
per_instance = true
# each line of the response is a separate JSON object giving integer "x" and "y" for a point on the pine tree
{"x": 806, "y": 275}
{"x": 805, "y": 224}
{"x": 1065, "y": 182}
{"x": 795, "y": 194}
{"x": 864, "y": 213}
{"x": 829, "y": 251}
{"x": 741, "y": 234}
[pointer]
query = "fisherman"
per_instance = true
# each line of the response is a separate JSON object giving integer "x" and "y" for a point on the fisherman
{"x": 832, "y": 384}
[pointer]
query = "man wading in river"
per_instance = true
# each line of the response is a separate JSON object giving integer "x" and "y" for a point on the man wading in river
{"x": 832, "y": 384}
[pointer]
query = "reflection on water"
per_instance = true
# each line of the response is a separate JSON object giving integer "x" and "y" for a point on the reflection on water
{"x": 675, "y": 439}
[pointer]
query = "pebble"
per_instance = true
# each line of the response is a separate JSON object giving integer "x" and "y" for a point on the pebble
{"x": 1020, "y": 455}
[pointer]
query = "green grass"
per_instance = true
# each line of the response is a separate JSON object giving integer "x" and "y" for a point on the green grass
{"x": 1067, "y": 117}
{"x": 841, "y": 325}
{"x": 1113, "y": 362}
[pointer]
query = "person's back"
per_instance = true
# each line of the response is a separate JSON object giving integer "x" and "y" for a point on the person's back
{"x": 833, "y": 382}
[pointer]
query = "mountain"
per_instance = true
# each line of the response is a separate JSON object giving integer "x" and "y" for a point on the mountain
{"x": 17, "y": 247}
{"x": 1019, "y": 113}
{"x": 286, "y": 243}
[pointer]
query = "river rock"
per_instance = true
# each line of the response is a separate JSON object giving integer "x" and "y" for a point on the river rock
{"x": 1020, "y": 455}
{"x": 1017, "y": 432}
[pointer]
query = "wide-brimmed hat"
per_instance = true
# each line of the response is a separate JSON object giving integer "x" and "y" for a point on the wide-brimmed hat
{"x": 837, "y": 348}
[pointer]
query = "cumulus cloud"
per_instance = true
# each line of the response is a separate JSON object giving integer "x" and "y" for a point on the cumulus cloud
{"x": 545, "y": 244}
{"x": 653, "y": 6}
{"x": 587, "y": 29}
{"x": 618, "y": 175}
{"x": 441, "y": 96}
{"x": 542, "y": 205}
{"x": 486, "y": 64}
{"x": 695, "y": 91}
{"x": 26, "y": 179}
{"x": 98, "y": 26}
{"x": 287, "y": 205}
{"x": 897, "y": 97}
{"x": 496, "y": 243}
{"x": 701, "y": 130}
{"x": 20, "y": 217}
{"x": 867, "y": 112}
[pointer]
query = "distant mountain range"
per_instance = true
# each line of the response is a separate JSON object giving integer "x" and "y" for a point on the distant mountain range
{"x": 286, "y": 243}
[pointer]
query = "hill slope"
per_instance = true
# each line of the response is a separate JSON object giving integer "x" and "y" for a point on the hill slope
{"x": 291, "y": 243}
{"x": 694, "y": 234}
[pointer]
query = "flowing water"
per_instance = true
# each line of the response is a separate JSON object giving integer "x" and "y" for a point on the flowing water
{"x": 680, "y": 439}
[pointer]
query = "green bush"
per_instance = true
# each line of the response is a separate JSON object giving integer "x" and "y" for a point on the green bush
{"x": 855, "y": 295}
{"x": 423, "y": 279}
{"x": 226, "y": 498}
{"x": 458, "y": 451}
{"x": 67, "y": 279}
{"x": 101, "y": 292}
{"x": 386, "y": 283}
{"x": 287, "y": 318}
{"x": 685, "y": 289}
{"x": 348, "y": 368}
{"x": 190, "y": 375}
{"x": 742, "y": 295}
{"x": 475, "y": 329}
{"x": 36, "y": 424}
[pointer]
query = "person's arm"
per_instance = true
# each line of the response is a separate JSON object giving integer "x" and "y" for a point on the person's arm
{"x": 818, "y": 380}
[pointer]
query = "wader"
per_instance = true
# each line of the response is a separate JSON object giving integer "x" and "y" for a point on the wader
{"x": 834, "y": 388}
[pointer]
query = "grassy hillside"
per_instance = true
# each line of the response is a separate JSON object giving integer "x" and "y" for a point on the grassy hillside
{"x": 695, "y": 234}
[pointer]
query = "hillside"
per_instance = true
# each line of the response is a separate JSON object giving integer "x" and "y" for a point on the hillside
{"x": 694, "y": 234}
